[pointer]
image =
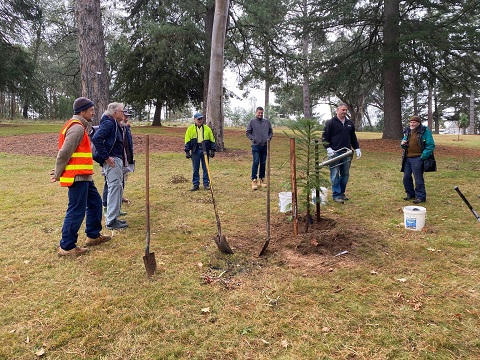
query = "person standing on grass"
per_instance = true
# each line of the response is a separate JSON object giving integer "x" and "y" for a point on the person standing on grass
{"x": 417, "y": 145}
{"x": 195, "y": 135}
{"x": 108, "y": 140}
{"x": 74, "y": 169}
{"x": 339, "y": 133}
{"x": 259, "y": 131}
{"x": 130, "y": 167}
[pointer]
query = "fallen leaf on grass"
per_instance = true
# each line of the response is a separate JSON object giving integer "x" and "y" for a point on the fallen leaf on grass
{"x": 373, "y": 272}
{"x": 265, "y": 342}
{"x": 325, "y": 329}
{"x": 205, "y": 310}
{"x": 200, "y": 265}
{"x": 402, "y": 280}
{"x": 285, "y": 344}
{"x": 314, "y": 242}
{"x": 40, "y": 352}
{"x": 27, "y": 340}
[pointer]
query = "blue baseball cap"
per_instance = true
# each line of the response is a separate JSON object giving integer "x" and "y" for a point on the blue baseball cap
{"x": 198, "y": 116}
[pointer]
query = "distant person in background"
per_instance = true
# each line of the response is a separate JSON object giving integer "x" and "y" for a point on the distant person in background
{"x": 74, "y": 169}
{"x": 195, "y": 135}
{"x": 259, "y": 131}
{"x": 417, "y": 145}
{"x": 339, "y": 133}
{"x": 109, "y": 142}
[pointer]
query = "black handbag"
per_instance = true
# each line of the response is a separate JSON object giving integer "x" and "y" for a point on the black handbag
{"x": 430, "y": 164}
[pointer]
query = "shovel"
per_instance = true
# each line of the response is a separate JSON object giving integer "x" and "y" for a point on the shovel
{"x": 148, "y": 258}
{"x": 264, "y": 249}
{"x": 220, "y": 239}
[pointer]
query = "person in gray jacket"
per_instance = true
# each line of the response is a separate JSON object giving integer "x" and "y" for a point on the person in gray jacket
{"x": 259, "y": 131}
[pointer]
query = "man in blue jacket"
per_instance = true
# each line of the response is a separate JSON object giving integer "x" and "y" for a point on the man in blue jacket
{"x": 418, "y": 145}
{"x": 109, "y": 144}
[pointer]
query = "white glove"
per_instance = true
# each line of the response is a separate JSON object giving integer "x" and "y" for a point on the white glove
{"x": 330, "y": 152}
{"x": 359, "y": 153}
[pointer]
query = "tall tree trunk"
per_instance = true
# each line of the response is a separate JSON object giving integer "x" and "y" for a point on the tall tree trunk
{"x": 471, "y": 126}
{"x": 215, "y": 116}
{"x": 267, "y": 78}
{"x": 91, "y": 45}
{"x": 391, "y": 71}
{"x": 435, "y": 112}
{"x": 157, "y": 116}
{"x": 430, "y": 107}
{"x": 209, "y": 16}
{"x": 307, "y": 103}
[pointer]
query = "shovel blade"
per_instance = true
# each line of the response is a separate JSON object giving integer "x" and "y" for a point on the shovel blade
{"x": 150, "y": 263}
{"x": 222, "y": 244}
{"x": 264, "y": 249}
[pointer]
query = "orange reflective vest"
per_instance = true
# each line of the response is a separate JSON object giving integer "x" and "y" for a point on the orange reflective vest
{"x": 81, "y": 161}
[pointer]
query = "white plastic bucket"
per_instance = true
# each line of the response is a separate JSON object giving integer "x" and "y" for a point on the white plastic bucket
{"x": 285, "y": 199}
{"x": 285, "y": 202}
{"x": 414, "y": 217}
{"x": 323, "y": 195}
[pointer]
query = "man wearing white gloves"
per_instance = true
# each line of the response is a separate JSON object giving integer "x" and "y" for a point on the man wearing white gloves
{"x": 339, "y": 136}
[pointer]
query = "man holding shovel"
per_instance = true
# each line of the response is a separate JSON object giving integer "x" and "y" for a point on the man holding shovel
{"x": 194, "y": 136}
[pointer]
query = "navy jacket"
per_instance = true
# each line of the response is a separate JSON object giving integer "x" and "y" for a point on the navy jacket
{"x": 337, "y": 135}
{"x": 108, "y": 139}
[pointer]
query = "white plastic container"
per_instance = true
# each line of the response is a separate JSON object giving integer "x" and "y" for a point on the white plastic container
{"x": 414, "y": 217}
{"x": 285, "y": 199}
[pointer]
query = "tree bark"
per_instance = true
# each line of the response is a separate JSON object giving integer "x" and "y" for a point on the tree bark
{"x": 157, "y": 116}
{"x": 209, "y": 16}
{"x": 307, "y": 104}
{"x": 215, "y": 115}
{"x": 91, "y": 45}
{"x": 391, "y": 64}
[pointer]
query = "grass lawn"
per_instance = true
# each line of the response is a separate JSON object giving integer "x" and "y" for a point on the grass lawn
{"x": 396, "y": 294}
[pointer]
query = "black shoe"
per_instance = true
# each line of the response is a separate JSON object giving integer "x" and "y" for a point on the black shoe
{"x": 207, "y": 187}
{"x": 345, "y": 198}
{"x": 408, "y": 197}
{"x": 121, "y": 221}
{"x": 116, "y": 225}
{"x": 194, "y": 188}
{"x": 419, "y": 201}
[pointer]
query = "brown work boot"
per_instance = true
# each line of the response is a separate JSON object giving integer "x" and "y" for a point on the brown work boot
{"x": 254, "y": 184}
{"x": 76, "y": 251}
{"x": 263, "y": 183}
{"x": 100, "y": 239}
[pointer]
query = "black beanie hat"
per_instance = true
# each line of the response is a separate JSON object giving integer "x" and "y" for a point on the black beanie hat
{"x": 82, "y": 104}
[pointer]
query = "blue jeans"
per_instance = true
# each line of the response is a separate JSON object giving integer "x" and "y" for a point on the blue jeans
{"x": 339, "y": 174}
{"x": 197, "y": 158}
{"x": 414, "y": 165}
{"x": 259, "y": 153}
{"x": 83, "y": 198}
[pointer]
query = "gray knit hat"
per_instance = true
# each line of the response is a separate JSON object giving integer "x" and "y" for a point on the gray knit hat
{"x": 82, "y": 104}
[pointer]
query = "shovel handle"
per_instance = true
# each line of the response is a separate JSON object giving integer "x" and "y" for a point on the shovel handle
{"x": 467, "y": 203}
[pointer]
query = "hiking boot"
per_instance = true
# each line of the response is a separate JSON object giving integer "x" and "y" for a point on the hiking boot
{"x": 254, "y": 184}
{"x": 263, "y": 183}
{"x": 418, "y": 201}
{"x": 194, "y": 188}
{"x": 207, "y": 187}
{"x": 116, "y": 225}
{"x": 122, "y": 221}
{"x": 338, "y": 200}
{"x": 344, "y": 197}
{"x": 76, "y": 251}
{"x": 100, "y": 239}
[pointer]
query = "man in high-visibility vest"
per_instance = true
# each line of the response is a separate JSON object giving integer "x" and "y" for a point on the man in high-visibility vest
{"x": 74, "y": 169}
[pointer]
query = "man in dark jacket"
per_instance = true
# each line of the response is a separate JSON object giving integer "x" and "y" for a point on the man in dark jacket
{"x": 259, "y": 131}
{"x": 108, "y": 140}
{"x": 339, "y": 133}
